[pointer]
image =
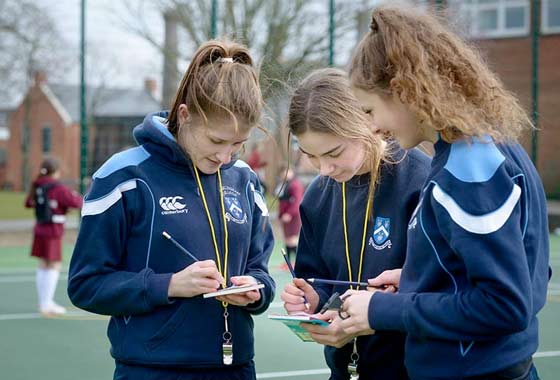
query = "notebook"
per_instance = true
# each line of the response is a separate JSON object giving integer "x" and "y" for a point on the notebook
{"x": 293, "y": 322}
{"x": 234, "y": 289}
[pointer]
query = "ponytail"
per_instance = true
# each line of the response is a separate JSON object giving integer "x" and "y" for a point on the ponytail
{"x": 220, "y": 80}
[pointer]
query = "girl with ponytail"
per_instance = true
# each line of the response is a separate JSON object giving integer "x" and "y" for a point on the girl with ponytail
{"x": 51, "y": 201}
{"x": 181, "y": 190}
{"x": 476, "y": 269}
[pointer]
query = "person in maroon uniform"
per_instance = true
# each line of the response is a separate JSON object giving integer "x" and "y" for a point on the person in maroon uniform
{"x": 51, "y": 201}
{"x": 290, "y": 196}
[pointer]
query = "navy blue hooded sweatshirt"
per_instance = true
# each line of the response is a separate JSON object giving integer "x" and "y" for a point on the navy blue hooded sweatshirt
{"x": 476, "y": 270}
{"x": 122, "y": 265}
{"x": 321, "y": 249}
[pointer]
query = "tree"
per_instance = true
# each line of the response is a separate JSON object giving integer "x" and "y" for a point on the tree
{"x": 287, "y": 37}
{"x": 29, "y": 42}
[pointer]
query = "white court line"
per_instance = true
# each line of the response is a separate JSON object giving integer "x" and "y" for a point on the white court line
{"x": 24, "y": 316}
{"x": 326, "y": 371}
{"x": 22, "y": 270}
{"x": 18, "y": 279}
{"x": 546, "y": 354}
{"x": 266, "y": 375}
{"x": 307, "y": 372}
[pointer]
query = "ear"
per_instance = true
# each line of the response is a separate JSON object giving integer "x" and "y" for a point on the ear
{"x": 182, "y": 114}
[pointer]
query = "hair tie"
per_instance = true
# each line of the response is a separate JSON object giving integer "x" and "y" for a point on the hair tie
{"x": 225, "y": 60}
{"x": 43, "y": 171}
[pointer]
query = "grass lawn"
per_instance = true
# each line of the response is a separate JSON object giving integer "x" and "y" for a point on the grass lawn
{"x": 12, "y": 206}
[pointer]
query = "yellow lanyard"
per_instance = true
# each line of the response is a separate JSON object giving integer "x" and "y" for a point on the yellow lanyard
{"x": 346, "y": 236}
{"x": 222, "y": 270}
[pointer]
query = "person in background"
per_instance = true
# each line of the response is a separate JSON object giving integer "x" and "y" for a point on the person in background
{"x": 51, "y": 201}
{"x": 258, "y": 164}
{"x": 290, "y": 194}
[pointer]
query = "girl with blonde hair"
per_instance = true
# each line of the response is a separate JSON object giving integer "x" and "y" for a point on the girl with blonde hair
{"x": 476, "y": 268}
{"x": 354, "y": 218}
{"x": 184, "y": 182}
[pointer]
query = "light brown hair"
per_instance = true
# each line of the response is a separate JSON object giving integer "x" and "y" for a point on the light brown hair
{"x": 324, "y": 103}
{"x": 409, "y": 53}
{"x": 220, "y": 81}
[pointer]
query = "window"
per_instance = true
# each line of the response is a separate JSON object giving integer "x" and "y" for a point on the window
{"x": 47, "y": 139}
{"x": 4, "y": 133}
{"x": 494, "y": 18}
{"x": 550, "y": 16}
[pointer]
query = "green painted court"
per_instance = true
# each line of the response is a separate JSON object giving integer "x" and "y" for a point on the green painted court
{"x": 76, "y": 346}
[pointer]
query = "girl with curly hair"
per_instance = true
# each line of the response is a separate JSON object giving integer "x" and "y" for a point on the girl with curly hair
{"x": 476, "y": 269}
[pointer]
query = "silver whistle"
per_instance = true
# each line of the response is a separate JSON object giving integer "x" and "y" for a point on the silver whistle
{"x": 353, "y": 371}
{"x": 227, "y": 349}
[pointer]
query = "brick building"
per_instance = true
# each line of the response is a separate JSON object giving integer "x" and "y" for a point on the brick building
{"x": 52, "y": 113}
{"x": 502, "y": 31}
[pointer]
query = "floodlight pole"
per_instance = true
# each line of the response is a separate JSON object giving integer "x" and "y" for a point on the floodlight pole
{"x": 214, "y": 19}
{"x": 83, "y": 118}
{"x": 535, "y": 78}
{"x": 331, "y": 32}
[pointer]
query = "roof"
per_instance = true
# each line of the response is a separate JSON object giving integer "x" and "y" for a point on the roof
{"x": 102, "y": 102}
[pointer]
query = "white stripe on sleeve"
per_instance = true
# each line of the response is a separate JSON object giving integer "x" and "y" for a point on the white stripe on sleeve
{"x": 99, "y": 206}
{"x": 481, "y": 224}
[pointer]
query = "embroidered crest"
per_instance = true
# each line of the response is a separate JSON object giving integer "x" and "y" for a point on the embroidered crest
{"x": 234, "y": 210}
{"x": 381, "y": 231}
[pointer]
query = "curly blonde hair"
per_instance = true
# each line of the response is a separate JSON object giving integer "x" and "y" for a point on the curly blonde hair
{"x": 410, "y": 54}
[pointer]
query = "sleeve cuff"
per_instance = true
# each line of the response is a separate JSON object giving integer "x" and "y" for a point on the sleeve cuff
{"x": 387, "y": 311}
{"x": 158, "y": 289}
{"x": 256, "y": 307}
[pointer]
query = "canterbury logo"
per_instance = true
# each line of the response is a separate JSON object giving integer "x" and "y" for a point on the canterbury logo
{"x": 171, "y": 203}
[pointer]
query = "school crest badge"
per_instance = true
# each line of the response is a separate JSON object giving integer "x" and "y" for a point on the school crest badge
{"x": 381, "y": 233}
{"x": 234, "y": 210}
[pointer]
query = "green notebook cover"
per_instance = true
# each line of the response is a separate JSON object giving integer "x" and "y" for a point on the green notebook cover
{"x": 293, "y": 322}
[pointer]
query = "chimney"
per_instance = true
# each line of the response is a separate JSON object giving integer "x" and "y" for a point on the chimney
{"x": 40, "y": 77}
{"x": 150, "y": 86}
{"x": 170, "y": 55}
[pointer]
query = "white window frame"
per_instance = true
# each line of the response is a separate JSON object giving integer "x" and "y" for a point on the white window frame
{"x": 546, "y": 29}
{"x": 468, "y": 11}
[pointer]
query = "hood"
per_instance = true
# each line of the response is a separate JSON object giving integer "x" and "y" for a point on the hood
{"x": 156, "y": 138}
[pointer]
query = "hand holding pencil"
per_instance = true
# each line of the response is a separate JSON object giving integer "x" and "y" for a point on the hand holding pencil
{"x": 198, "y": 278}
{"x": 298, "y": 295}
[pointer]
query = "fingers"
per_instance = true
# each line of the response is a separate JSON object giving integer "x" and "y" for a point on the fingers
{"x": 243, "y": 280}
{"x": 300, "y": 283}
{"x": 348, "y": 293}
{"x": 241, "y": 299}
{"x": 292, "y": 294}
{"x": 389, "y": 289}
{"x": 388, "y": 277}
{"x": 207, "y": 269}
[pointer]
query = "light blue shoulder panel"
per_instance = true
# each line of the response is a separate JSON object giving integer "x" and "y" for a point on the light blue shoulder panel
{"x": 474, "y": 161}
{"x": 130, "y": 157}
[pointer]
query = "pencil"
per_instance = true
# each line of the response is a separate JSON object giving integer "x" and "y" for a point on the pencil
{"x": 336, "y": 282}
{"x": 167, "y": 236}
{"x": 287, "y": 259}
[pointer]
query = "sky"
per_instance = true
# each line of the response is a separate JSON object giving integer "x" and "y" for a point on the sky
{"x": 118, "y": 57}
{"x": 115, "y": 55}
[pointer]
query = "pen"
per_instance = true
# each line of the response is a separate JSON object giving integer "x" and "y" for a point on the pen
{"x": 167, "y": 236}
{"x": 307, "y": 306}
{"x": 336, "y": 282}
